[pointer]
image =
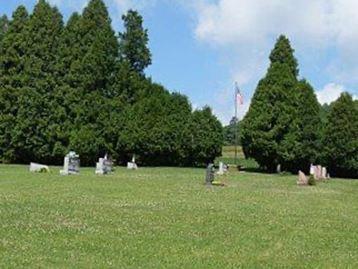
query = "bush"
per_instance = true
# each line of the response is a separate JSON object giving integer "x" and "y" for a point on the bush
{"x": 312, "y": 181}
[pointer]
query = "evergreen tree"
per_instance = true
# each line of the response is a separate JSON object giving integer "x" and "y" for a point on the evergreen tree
{"x": 88, "y": 59}
{"x": 134, "y": 42}
{"x": 70, "y": 52}
{"x": 156, "y": 128}
{"x": 341, "y": 138}
{"x": 324, "y": 113}
{"x": 12, "y": 63}
{"x": 270, "y": 128}
{"x": 308, "y": 144}
{"x": 35, "y": 125}
{"x": 99, "y": 47}
{"x": 73, "y": 88}
{"x": 283, "y": 53}
{"x": 4, "y": 25}
{"x": 207, "y": 137}
{"x": 229, "y": 132}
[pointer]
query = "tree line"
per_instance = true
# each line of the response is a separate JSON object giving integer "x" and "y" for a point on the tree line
{"x": 286, "y": 126}
{"x": 81, "y": 86}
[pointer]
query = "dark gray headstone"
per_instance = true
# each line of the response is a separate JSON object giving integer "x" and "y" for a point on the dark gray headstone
{"x": 210, "y": 174}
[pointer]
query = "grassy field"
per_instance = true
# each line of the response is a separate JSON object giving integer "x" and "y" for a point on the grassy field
{"x": 167, "y": 218}
{"x": 228, "y": 157}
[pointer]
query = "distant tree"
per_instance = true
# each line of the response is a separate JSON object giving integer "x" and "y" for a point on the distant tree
{"x": 269, "y": 129}
{"x": 207, "y": 137}
{"x": 134, "y": 42}
{"x": 229, "y": 132}
{"x": 12, "y": 64}
{"x": 341, "y": 138}
{"x": 156, "y": 129}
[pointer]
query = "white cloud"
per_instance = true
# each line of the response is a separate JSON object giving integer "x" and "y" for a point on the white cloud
{"x": 312, "y": 22}
{"x": 124, "y": 5}
{"x": 323, "y": 32}
{"x": 330, "y": 93}
{"x": 77, "y": 5}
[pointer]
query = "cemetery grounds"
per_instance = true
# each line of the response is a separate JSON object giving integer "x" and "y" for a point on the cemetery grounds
{"x": 168, "y": 218}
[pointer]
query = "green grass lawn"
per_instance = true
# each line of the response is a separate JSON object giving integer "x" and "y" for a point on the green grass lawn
{"x": 167, "y": 218}
{"x": 228, "y": 157}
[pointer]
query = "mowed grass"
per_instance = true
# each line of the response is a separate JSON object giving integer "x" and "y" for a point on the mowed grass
{"x": 228, "y": 157}
{"x": 167, "y": 218}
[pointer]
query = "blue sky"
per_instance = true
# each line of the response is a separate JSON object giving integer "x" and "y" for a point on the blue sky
{"x": 201, "y": 47}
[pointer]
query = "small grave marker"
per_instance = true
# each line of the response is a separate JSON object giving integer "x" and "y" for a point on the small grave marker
{"x": 132, "y": 165}
{"x": 210, "y": 174}
{"x": 71, "y": 165}
{"x": 39, "y": 168}
{"x": 104, "y": 166}
{"x": 302, "y": 179}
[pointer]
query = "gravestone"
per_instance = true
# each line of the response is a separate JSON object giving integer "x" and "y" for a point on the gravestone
{"x": 104, "y": 166}
{"x": 319, "y": 172}
{"x": 302, "y": 179}
{"x": 312, "y": 169}
{"x": 132, "y": 165}
{"x": 71, "y": 164}
{"x": 221, "y": 169}
{"x": 324, "y": 173}
{"x": 39, "y": 168}
{"x": 210, "y": 174}
{"x": 278, "y": 169}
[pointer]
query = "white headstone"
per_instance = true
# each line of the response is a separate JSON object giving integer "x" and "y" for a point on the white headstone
{"x": 312, "y": 169}
{"x": 278, "y": 169}
{"x": 132, "y": 166}
{"x": 71, "y": 164}
{"x": 324, "y": 173}
{"x": 221, "y": 169}
{"x": 36, "y": 167}
{"x": 302, "y": 179}
{"x": 319, "y": 171}
{"x": 104, "y": 166}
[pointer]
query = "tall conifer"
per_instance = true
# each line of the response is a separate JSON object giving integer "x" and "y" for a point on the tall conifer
{"x": 341, "y": 138}
{"x": 269, "y": 130}
{"x": 13, "y": 51}
{"x": 134, "y": 42}
{"x": 308, "y": 145}
{"x": 4, "y": 25}
{"x": 35, "y": 120}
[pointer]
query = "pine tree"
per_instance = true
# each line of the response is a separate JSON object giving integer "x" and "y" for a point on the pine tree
{"x": 341, "y": 138}
{"x": 12, "y": 63}
{"x": 134, "y": 42}
{"x": 270, "y": 128}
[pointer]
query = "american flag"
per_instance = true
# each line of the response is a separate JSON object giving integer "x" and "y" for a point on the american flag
{"x": 239, "y": 97}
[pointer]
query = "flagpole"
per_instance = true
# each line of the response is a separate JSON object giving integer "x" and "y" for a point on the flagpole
{"x": 236, "y": 121}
